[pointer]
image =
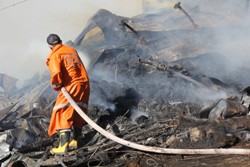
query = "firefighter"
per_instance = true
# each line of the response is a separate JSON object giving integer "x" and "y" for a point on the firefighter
{"x": 67, "y": 70}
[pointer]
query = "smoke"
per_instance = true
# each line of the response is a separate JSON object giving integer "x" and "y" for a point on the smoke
{"x": 25, "y": 26}
{"x": 232, "y": 37}
{"x": 222, "y": 27}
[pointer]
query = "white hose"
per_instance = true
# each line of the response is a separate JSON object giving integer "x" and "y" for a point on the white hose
{"x": 149, "y": 148}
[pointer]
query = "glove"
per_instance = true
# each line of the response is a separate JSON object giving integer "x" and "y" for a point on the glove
{"x": 57, "y": 86}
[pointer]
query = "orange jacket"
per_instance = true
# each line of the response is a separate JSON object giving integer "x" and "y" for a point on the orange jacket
{"x": 67, "y": 70}
{"x": 66, "y": 67}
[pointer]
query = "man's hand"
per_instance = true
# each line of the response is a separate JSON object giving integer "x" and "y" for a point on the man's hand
{"x": 57, "y": 86}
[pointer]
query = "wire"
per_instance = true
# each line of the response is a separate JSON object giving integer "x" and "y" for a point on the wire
{"x": 60, "y": 161}
{"x": 12, "y": 5}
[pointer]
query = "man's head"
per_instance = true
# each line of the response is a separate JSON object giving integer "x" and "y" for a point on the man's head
{"x": 53, "y": 40}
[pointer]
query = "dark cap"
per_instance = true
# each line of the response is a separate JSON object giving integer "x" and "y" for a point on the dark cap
{"x": 53, "y": 39}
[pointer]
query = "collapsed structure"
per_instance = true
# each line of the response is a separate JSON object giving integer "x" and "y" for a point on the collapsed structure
{"x": 158, "y": 79}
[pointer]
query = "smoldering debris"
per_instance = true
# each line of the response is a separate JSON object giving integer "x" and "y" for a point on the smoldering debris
{"x": 154, "y": 81}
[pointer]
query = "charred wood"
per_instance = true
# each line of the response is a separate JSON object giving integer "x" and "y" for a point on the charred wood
{"x": 164, "y": 67}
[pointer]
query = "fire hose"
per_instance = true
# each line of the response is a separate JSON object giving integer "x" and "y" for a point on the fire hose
{"x": 235, "y": 151}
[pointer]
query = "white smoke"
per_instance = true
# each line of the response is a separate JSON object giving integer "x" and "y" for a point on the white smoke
{"x": 26, "y": 24}
{"x": 230, "y": 27}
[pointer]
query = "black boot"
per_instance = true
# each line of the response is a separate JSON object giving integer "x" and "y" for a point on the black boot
{"x": 74, "y": 143}
{"x": 63, "y": 142}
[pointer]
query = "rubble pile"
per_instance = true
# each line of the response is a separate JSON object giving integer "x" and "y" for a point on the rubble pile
{"x": 7, "y": 89}
{"x": 156, "y": 80}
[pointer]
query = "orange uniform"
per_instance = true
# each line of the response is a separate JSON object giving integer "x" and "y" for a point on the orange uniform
{"x": 67, "y": 70}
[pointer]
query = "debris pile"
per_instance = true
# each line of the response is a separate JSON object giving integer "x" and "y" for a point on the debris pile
{"x": 157, "y": 79}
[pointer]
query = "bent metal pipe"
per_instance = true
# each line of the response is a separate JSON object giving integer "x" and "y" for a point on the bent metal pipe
{"x": 178, "y": 6}
{"x": 136, "y": 146}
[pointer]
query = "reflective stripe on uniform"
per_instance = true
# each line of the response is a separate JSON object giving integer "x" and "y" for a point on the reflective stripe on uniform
{"x": 64, "y": 130}
{"x": 80, "y": 104}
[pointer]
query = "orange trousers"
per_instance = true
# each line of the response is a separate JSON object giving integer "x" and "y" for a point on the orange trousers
{"x": 64, "y": 115}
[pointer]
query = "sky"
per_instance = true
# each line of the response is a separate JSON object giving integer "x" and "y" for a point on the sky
{"x": 25, "y": 25}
